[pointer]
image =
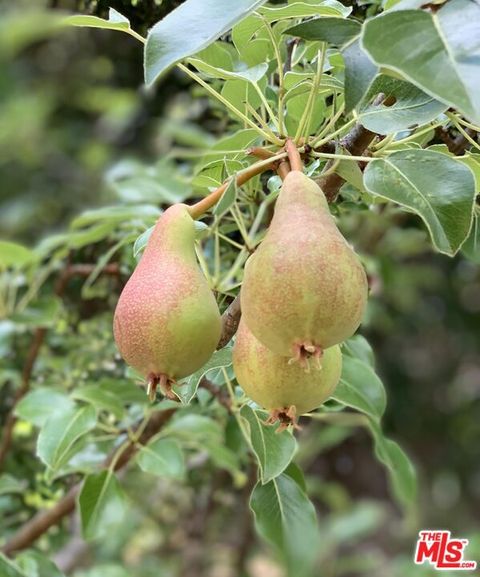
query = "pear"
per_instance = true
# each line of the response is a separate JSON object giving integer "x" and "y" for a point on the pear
{"x": 167, "y": 323}
{"x": 278, "y": 385}
{"x": 304, "y": 289}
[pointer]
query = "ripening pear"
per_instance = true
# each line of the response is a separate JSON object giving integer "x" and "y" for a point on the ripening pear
{"x": 304, "y": 289}
{"x": 167, "y": 323}
{"x": 278, "y": 385}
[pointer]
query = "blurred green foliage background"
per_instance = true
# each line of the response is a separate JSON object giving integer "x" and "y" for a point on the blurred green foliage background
{"x": 73, "y": 116}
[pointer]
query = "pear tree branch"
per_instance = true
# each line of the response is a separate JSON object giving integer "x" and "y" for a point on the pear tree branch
{"x": 199, "y": 208}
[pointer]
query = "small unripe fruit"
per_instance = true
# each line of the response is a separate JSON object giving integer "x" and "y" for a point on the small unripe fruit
{"x": 277, "y": 384}
{"x": 167, "y": 323}
{"x": 304, "y": 289}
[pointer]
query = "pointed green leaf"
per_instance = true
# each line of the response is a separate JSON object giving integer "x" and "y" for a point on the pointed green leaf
{"x": 9, "y": 485}
{"x": 360, "y": 388}
{"x": 102, "y": 505}
{"x": 359, "y": 348}
{"x": 402, "y": 472}
{"x": 412, "y": 107}
{"x": 162, "y": 457}
{"x": 337, "y": 31}
{"x": 186, "y": 389}
{"x": 41, "y": 403}
{"x": 60, "y": 432}
{"x": 228, "y": 198}
{"x": 14, "y": 255}
{"x": 438, "y": 188}
{"x": 471, "y": 248}
{"x": 360, "y": 72}
{"x": 100, "y": 399}
{"x": 188, "y": 29}
{"x": 35, "y": 564}
{"x": 304, "y": 9}
{"x": 8, "y": 568}
{"x": 286, "y": 518}
{"x": 445, "y": 59}
{"x": 273, "y": 450}
{"x": 115, "y": 21}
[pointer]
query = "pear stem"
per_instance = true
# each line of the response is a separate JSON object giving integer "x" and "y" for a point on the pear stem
{"x": 293, "y": 155}
{"x": 200, "y": 207}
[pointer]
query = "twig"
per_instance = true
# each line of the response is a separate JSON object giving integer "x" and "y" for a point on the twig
{"x": 196, "y": 210}
{"x": 32, "y": 355}
{"x": 293, "y": 155}
{"x": 355, "y": 142}
{"x": 282, "y": 165}
{"x": 40, "y": 524}
{"x": 220, "y": 394}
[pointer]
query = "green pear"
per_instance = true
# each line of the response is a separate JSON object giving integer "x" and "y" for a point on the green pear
{"x": 278, "y": 385}
{"x": 167, "y": 323}
{"x": 304, "y": 289}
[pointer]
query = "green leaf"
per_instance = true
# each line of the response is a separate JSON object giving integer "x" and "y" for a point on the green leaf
{"x": 35, "y": 564}
{"x": 14, "y": 255}
{"x": 438, "y": 188}
{"x": 141, "y": 242}
{"x": 252, "y": 75}
{"x": 228, "y": 198}
{"x": 197, "y": 427}
{"x": 100, "y": 399}
{"x": 273, "y": 450}
{"x": 186, "y": 389}
{"x": 41, "y": 313}
{"x": 114, "y": 214}
{"x": 60, "y": 432}
{"x": 337, "y": 31}
{"x": 9, "y": 485}
{"x": 360, "y": 388}
{"x": 445, "y": 59}
{"x": 126, "y": 391}
{"x": 188, "y": 29}
{"x": 8, "y": 569}
{"x": 162, "y": 457}
{"x": 225, "y": 458}
{"x": 412, "y": 107}
{"x": 304, "y": 9}
{"x": 359, "y": 348}
{"x": 39, "y": 404}
{"x": 471, "y": 248}
{"x": 90, "y": 235}
{"x": 286, "y": 518}
{"x": 360, "y": 72}
{"x": 102, "y": 505}
{"x": 115, "y": 21}
{"x": 402, "y": 472}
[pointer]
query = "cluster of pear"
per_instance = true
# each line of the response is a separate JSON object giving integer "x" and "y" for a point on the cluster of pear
{"x": 304, "y": 292}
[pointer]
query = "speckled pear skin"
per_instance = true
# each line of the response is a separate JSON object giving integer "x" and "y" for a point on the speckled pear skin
{"x": 167, "y": 321}
{"x": 275, "y": 383}
{"x": 304, "y": 286}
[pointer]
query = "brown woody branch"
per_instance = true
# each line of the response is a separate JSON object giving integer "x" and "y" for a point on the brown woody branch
{"x": 10, "y": 421}
{"x": 355, "y": 142}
